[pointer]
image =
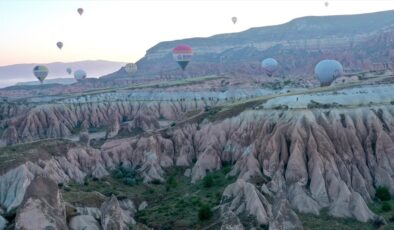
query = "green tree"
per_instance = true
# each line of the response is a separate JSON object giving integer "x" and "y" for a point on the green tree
{"x": 205, "y": 212}
{"x": 383, "y": 194}
{"x": 208, "y": 181}
{"x": 386, "y": 207}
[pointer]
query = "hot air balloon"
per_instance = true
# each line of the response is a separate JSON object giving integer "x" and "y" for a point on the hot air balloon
{"x": 80, "y": 11}
{"x": 234, "y": 19}
{"x": 59, "y": 45}
{"x": 79, "y": 75}
{"x": 270, "y": 66}
{"x": 131, "y": 68}
{"x": 326, "y": 71}
{"x": 182, "y": 54}
{"x": 69, "y": 70}
{"x": 41, "y": 72}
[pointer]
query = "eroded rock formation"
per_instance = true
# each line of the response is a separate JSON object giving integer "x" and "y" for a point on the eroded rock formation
{"x": 313, "y": 159}
{"x": 42, "y": 207}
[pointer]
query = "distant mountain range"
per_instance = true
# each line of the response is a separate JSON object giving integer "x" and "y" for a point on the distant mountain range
{"x": 12, "y": 74}
{"x": 360, "y": 42}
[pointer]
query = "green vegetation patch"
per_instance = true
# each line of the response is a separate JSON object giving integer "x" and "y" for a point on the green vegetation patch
{"x": 175, "y": 203}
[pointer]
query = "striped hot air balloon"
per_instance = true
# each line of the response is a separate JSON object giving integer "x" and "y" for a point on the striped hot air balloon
{"x": 182, "y": 54}
{"x": 40, "y": 72}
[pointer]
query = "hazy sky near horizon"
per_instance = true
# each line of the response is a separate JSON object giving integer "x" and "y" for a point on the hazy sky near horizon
{"x": 122, "y": 30}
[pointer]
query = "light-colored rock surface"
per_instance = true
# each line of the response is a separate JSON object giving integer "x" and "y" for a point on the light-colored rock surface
{"x": 230, "y": 221}
{"x": 284, "y": 218}
{"x": 243, "y": 198}
{"x": 113, "y": 216}
{"x": 13, "y": 186}
{"x": 143, "y": 205}
{"x": 94, "y": 212}
{"x": 42, "y": 207}
{"x": 84, "y": 222}
{"x": 3, "y": 223}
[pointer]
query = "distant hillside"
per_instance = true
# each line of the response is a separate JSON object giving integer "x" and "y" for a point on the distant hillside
{"x": 12, "y": 74}
{"x": 358, "y": 41}
{"x": 62, "y": 81}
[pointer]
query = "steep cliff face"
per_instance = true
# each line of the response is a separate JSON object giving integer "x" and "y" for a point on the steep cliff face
{"x": 357, "y": 41}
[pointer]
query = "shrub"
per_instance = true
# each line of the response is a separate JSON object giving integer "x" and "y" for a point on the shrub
{"x": 208, "y": 181}
{"x": 127, "y": 172}
{"x": 129, "y": 181}
{"x": 386, "y": 207}
{"x": 204, "y": 213}
{"x": 226, "y": 169}
{"x": 171, "y": 182}
{"x": 378, "y": 222}
{"x": 117, "y": 174}
{"x": 156, "y": 181}
{"x": 195, "y": 201}
{"x": 391, "y": 219}
{"x": 124, "y": 118}
{"x": 383, "y": 194}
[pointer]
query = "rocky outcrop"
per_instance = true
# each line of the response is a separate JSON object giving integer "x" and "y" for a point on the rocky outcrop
{"x": 230, "y": 221}
{"x": 84, "y": 222}
{"x": 113, "y": 216}
{"x": 3, "y": 223}
{"x": 84, "y": 138}
{"x": 42, "y": 207}
{"x": 13, "y": 185}
{"x": 242, "y": 200}
{"x": 284, "y": 217}
{"x": 113, "y": 127}
{"x": 94, "y": 212}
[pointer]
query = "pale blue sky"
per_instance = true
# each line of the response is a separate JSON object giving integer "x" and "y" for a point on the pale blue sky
{"x": 122, "y": 30}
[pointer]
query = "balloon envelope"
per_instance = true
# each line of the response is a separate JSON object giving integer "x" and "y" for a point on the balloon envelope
{"x": 79, "y": 75}
{"x": 326, "y": 71}
{"x": 69, "y": 70}
{"x": 80, "y": 11}
{"x": 182, "y": 54}
{"x": 41, "y": 72}
{"x": 234, "y": 19}
{"x": 131, "y": 68}
{"x": 59, "y": 45}
{"x": 269, "y": 65}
